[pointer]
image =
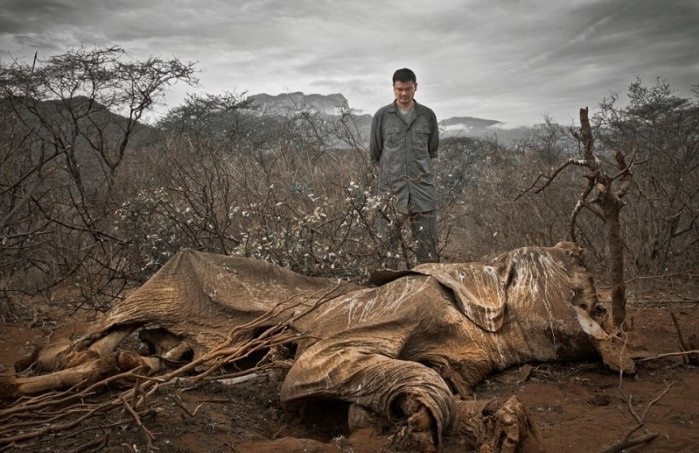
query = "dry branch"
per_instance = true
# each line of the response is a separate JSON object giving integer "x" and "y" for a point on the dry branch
{"x": 628, "y": 443}
{"x": 683, "y": 345}
{"x": 648, "y": 436}
{"x": 146, "y": 432}
{"x": 669, "y": 354}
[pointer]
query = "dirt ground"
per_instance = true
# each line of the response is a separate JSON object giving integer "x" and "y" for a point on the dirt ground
{"x": 578, "y": 407}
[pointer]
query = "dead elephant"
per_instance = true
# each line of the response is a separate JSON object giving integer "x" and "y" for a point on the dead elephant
{"x": 405, "y": 351}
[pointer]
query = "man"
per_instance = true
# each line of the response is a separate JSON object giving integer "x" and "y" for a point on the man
{"x": 404, "y": 140}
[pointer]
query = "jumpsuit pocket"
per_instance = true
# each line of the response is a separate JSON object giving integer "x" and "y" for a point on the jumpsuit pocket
{"x": 393, "y": 138}
{"x": 422, "y": 135}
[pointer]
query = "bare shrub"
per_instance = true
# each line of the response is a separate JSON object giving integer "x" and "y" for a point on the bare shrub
{"x": 296, "y": 190}
{"x": 68, "y": 123}
{"x": 311, "y": 212}
{"x": 486, "y": 178}
{"x": 661, "y": 221}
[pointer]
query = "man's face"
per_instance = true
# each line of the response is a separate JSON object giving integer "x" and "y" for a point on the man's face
{"x": 404, "y": 92}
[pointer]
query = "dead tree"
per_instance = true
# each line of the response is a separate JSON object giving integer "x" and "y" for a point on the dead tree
{"x": 603, "y": 196}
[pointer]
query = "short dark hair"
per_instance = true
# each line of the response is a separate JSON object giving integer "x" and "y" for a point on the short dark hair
{"x": 404, "y": 75}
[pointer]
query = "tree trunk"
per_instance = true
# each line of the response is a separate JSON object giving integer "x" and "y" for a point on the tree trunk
{"x": 611, "y": 207}
{"x": 615, "y": 246}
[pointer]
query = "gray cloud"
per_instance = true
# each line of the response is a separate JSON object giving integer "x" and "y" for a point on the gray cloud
{"x": 509, "y": 60}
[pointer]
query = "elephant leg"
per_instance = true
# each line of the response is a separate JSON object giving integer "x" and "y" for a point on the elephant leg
{"x": 80, "y": 375}
{"x": 404, "y": 393}
{"x": 63, "y": 354}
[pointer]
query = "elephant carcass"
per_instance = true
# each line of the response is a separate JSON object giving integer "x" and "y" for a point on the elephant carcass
{"x": 433, "y": 332}
{"x": 403, "y": 351}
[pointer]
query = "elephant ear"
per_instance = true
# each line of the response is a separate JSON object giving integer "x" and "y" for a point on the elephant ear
{"x": 479, "y": 291}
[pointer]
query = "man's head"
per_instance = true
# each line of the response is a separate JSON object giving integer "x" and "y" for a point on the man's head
{"x": 404, "y": 87}
{"x": 404, "y": 75}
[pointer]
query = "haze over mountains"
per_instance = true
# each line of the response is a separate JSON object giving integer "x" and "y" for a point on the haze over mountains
{"x": 336, "y": 104}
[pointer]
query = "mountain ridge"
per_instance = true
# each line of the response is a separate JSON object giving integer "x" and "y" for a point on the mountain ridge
{"x": 337, "y": 104}
{"x": 329, "y": 104}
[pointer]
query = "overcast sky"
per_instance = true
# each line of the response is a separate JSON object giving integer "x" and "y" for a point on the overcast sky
{"x": 508, "y": 60}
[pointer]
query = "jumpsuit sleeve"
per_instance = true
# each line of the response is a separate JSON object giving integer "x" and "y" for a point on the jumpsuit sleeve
{"x": 433, "y": 143}
{"x": 376, "y": 139}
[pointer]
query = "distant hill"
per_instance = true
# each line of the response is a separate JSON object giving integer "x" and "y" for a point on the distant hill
{"x": 62, "y": 112}
{"x": 469, "y": 122}
{"x": 331, "y": 105}
{"x": 84, "y": 126}
{"x": 468, "y": 126}
{"x": 335, "y": 104}
{"x": 286, "y": 103}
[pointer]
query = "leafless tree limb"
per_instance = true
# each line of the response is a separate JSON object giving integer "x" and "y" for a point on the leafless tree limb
{"x": 628, "y": 443}
{"x": 648, "y": 436}
{"x": 669, "y": 354}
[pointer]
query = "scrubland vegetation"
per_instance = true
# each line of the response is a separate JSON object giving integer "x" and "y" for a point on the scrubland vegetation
{"x": 94, "y": 199}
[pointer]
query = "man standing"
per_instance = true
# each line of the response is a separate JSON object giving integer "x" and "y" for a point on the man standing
{"x": 404, "y": 140}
